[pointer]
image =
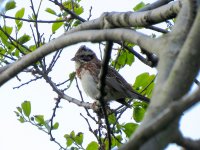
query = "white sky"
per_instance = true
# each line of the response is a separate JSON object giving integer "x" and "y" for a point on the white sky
{"x": 14, "y": 135}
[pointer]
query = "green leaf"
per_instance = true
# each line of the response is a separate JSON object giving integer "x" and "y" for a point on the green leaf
{"x": 149, "y": 90}
{"x": 144, "y": 84}
{"x": 124, "y": 58}
{"x": 19, "y": 25}
{"x": 141, "y": 80}
{"x": 112, "y": 118}
{"x": 56, "y": 25}
{"x": 2, "y": 51}
{"x": 6, "y": 29}
{"x": 72, "y": 135}
{"x": 74, "y": 148}
{"x": 16, "y": 53}
{"x": 17, "y": 113}
{"x": 72, "y": 76}
{"x": 78, "y": 10}
{"x": 68, "y": 4}
{"x": 116, "y": 141}
{"x": 129, "y": 128}
{"x": 24, "y": 38}
{"x": 19, "y": 109}
{"x": 19, "y": 14}
{"x": 26, "y": 107}
{"x": 79, "y": 138}
{"x": 139, "y": 6}
{"x": 69, "y": 140}
{"x": 21, "y": 119}
{"x": 93, "y": 146}
{"x": 4, "y": 38}
{"x": 76, "y": 23}
{"x": 138, "y": 113}
{"x": 39, "y": 119}
{"x": 51, "y": 11}
{"x": 56, "y": 125}
{"x": 10, "y": 5}
{"x": 32, "y": 47}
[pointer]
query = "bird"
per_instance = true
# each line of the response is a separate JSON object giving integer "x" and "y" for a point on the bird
{"x": 88, "y": 67}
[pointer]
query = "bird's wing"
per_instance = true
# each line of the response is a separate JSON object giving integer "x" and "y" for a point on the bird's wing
{"x": 117, "y": 82}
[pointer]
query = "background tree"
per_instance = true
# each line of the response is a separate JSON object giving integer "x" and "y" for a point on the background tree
{"x": 174, "y": 53}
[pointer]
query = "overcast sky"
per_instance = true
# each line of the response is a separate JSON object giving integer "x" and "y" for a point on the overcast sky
{"x": 17, "y": 136}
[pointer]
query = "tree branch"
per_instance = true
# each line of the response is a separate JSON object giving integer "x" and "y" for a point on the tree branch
{"x": 73, "y": 38}
{"x": 187, "y": 143}
{"x": 29, "y": 20}
{"x": 2, "y": 69}
{"x": 131, "y": 19}
{"x": 162, "y": 121}
{"x": 155, "y": 5}
{"x": 102, "y": 84}
{"x": 172, "y": 47}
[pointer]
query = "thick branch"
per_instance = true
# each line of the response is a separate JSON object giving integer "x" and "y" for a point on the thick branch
{"x": 132, "y": 19}
{"x": 2, "y": 69}
{"x": 141, "y": 19}
{"x": 187, "y": 63}
{"x": 162, "y": 121}
{"x": 164, "y": 92}
{"x": 69, "y": 39}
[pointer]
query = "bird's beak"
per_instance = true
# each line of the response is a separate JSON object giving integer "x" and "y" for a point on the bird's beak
{"x": 74, "y": 59}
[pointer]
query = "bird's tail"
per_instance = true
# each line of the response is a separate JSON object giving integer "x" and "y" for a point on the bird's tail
{"x": 143, "y": 98}
{"x": 136, "y": 95}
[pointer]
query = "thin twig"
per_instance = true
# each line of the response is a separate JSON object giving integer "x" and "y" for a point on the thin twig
{"x": 90, "y": 14}
{"x": 29, "y": 20}
{"x": 187, "y": 143}
{"x": 155, "y": 5}
{"x": 35, "y": 79}
{"x": 90, "y": 128}
{"x": 102, "y": 82}
{"x": 68, "y": 11}
{"x": 52, "y": 119}
{"x": 136, "y": 54}
{"x": 197, "y": 82}
{"x": 158, "y": 29}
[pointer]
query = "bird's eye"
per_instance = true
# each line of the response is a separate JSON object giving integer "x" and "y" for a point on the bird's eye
{"x": 86, "y": 57}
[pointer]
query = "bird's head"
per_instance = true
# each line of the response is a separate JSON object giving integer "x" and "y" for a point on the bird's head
{"x": 84, "y": 55}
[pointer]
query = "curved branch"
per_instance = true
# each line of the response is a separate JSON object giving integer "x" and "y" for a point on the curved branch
{"x": 131, "y": 19}
{"x": 68, "y": 39}
{"x": 140, "y": 19}
{"x": 168, "y": 76}
{"x": 187, "y": 143}
{"x": 2, "y": 69}
{"x": 187, "y": 64}
{"x": 62, "y": 95}
{"x": 171, "y": 47}
{"x": 162, "y": 121}
{"x": 155, "y": 5}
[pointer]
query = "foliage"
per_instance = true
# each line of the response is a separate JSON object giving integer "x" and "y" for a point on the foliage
{"x": 15, "y": 43}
